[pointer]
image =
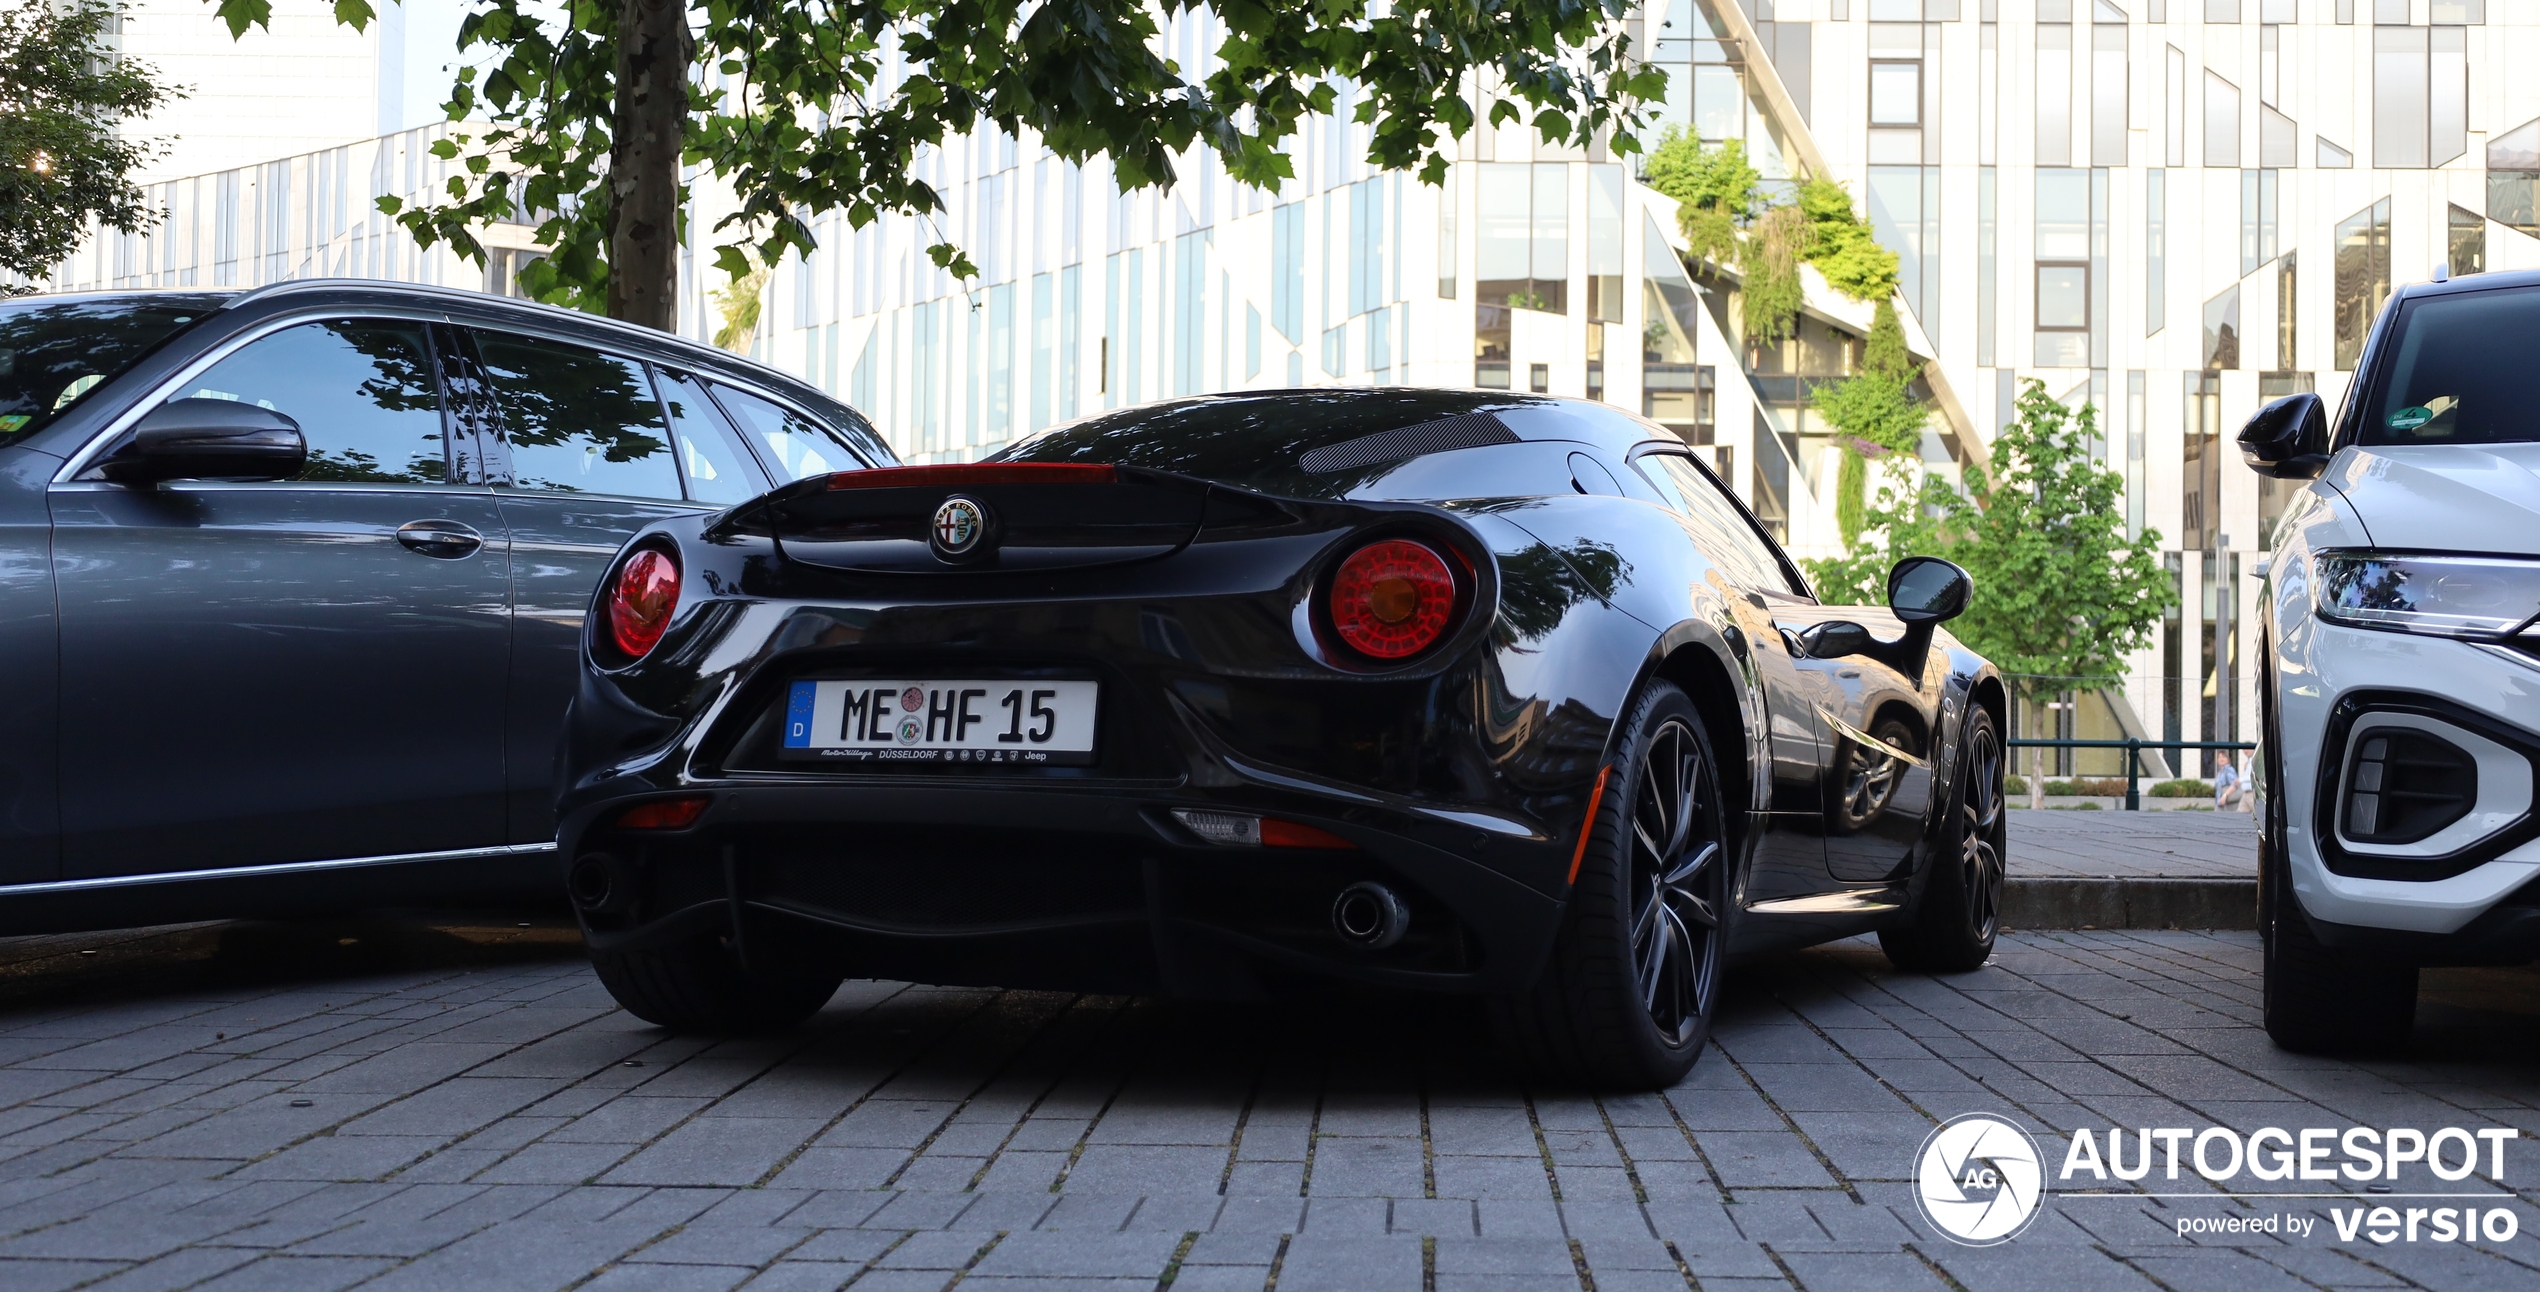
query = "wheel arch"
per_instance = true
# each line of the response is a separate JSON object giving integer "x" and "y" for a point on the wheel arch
{"x": 1694, "y": 665}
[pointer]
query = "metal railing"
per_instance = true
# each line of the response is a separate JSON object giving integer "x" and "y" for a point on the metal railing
{"x": 2133, "y": 756}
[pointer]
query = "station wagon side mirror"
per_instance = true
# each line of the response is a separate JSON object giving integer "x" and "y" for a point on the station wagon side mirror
{"x": 208, "y": 439}
{"x": 1928, "y": 590}
{"x": 2287, "y": 439}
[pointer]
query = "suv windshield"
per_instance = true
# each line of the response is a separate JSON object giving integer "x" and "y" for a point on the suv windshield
{"x": 2459, "y": 370}
{"x": 53, "y": 352}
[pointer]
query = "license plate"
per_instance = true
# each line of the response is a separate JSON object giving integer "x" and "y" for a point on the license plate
{"x": 936, "y": 720}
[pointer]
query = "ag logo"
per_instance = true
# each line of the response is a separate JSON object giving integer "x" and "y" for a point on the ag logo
{"x": 1978, "y": 1179}
{"x": 960, "y": 526}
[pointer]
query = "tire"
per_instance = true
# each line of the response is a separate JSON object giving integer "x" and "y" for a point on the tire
{"x": 695, "y": 986}
{"x": 2316, "y": 999}
{"x": 1628, "y": 998}
{"x": 1951, "y": 930}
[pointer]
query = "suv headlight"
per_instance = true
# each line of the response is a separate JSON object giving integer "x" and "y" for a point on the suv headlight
{"x": 2444, "y": 596}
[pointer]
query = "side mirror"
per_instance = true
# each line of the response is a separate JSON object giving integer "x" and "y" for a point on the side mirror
{"x": 208, "y": 439}
{"x": 2287, "y": 439}
{"x": 1928, "y": 590}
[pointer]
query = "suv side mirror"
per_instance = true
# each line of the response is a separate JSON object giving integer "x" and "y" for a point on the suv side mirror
{"x": 208, "y": 439}
{"x": 2287, "y": 439}
{"x": 1928, "y": 590}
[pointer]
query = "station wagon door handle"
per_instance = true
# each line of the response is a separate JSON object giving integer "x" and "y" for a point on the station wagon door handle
{"x": 446, "y": 539}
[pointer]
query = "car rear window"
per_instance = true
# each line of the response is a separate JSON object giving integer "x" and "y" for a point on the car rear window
{"x": 53, "y": 352}
{"x": 2457, "y": 369}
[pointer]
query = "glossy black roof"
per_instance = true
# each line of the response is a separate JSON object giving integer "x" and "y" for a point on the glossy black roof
{"x": 1270, "y": 440}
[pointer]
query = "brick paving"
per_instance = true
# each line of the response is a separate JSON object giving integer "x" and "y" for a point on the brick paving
{"x": 469, "y": 1112}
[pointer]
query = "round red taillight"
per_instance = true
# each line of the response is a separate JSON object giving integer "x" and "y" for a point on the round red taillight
{"x": 1392, "y": 600}
{"x": 640, "y": 601}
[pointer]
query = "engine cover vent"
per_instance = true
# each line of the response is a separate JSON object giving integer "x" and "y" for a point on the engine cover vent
{"x": 2403, "y": 785}
{"x": 1469, "y": 431}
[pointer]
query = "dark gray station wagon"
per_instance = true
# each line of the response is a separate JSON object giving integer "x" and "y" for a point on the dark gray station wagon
{"x": 292, "y": 581}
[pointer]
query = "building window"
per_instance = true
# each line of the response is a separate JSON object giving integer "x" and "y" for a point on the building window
{"x": 2513, "y": 178}
{"x": 1539, "y": 378}
{"x": 2063, "y": 296}
{"x": 2363, "y": 278}
{"x": 1896, "y": 93}
{"x": 2174, "y": 111}
{"x": 2222, "y": 122}
{"x": 2466, "y": 241}
{"x": 2054, "y": 93}
{"x": 2222, "y": 331}
{"x": 2330, "y": 156}
{"x": 1287, "y": 270}
{"x": 2063, "y": 255}
{"x": 1904, "y": 210}
{"x": 2155, "y": 250}
{"x": 1988, "y": 255}
{"x": 2276, "y": 496}
{"x": 2108, "y": 76}
{"x": 2288, "y": 313}
{"x": 2420, "y": 96}
{"x": 1523, "y": 260}
{"x": 1446, "y": 241}
{"x": 1605, "y": 244}
{"x": 2257, "y": 219}
{"x": 1672, "y": 391}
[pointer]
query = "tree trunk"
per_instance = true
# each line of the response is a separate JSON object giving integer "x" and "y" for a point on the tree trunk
{"x": 653, "y": 53}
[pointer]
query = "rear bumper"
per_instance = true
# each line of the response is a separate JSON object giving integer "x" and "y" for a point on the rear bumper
{"x": 1087, "y": 887}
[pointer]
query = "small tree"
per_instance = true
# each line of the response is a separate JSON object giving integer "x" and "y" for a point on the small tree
{"x": 2062, "y": 596}
{"x": 65, "y": 165}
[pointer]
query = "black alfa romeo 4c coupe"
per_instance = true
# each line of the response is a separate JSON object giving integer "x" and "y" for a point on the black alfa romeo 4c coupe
{"x": 1453, "y": 692}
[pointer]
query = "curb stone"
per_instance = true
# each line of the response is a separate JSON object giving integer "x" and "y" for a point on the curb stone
{"x": 2156, "y": 903}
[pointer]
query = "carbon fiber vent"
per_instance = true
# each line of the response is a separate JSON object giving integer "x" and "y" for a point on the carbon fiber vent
{"x": 1470, "y": 431}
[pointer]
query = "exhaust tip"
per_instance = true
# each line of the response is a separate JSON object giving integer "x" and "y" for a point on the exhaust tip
{"x": 589, "y": 882}
{"x": 1370, "y": 916}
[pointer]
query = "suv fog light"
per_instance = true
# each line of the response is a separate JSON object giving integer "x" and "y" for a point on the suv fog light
{"x": 2402, "y": 785}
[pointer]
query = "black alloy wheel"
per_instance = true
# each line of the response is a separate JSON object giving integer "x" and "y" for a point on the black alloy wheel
{"x": 1951, "y": 929}
{"x": 1634, "y": 980}
{"x": 1675, "y": 916}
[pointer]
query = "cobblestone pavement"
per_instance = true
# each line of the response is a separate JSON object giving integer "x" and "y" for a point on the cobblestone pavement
{"x": 2056, "y": 844}
{"x": 236, "y": 1108}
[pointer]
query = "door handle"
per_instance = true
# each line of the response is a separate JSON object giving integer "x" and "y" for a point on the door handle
{"x": 446, "y": 539}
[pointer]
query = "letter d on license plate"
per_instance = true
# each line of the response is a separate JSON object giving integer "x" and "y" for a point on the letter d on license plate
{"x": 937, "y": 720}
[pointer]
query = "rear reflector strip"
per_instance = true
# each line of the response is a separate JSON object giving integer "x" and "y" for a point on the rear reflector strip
{"x": 1243, "y": 830}
{"x": 976, "y": 473}
{"x": 664, "y": 814}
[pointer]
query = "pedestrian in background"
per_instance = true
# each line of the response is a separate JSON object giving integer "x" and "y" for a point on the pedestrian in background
{"x": 2231, "y": 791}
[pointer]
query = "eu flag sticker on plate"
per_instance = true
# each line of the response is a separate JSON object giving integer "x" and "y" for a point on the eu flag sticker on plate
{"x": 798, "y": 706}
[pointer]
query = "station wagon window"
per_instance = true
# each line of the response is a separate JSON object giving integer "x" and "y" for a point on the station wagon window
{"x": 577, "y": 420}
{"x": 711, "y": 456}
{"x": 795, "y": 446}
{"x": 1723, "y": 530}
{"x": 362, "y": 391}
